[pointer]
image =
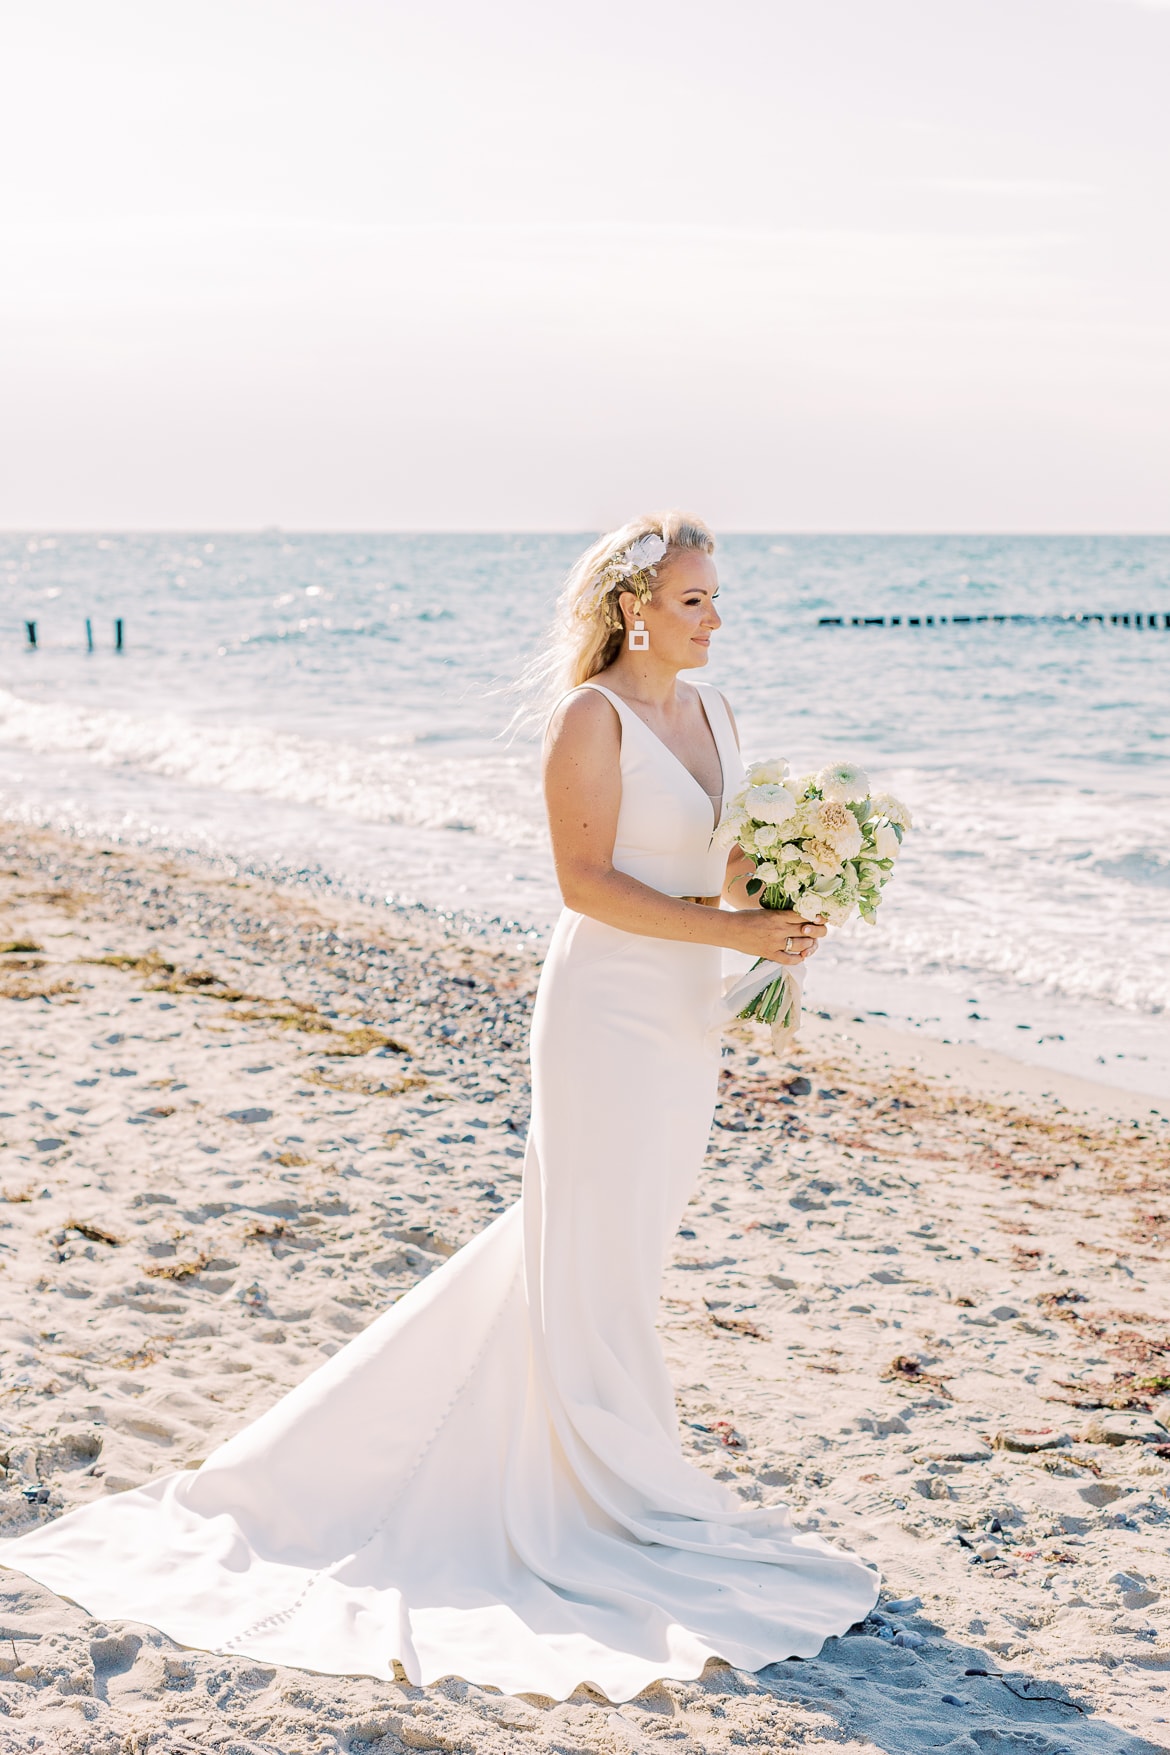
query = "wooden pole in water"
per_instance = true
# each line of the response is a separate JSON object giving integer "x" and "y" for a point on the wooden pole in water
{"x": 88, "y": 635}
{"x": 118, "y": 634}
{"x": 30, "y": 629}
{"x": 1118, "y": 618}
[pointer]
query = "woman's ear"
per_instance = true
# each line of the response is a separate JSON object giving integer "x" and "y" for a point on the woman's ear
{"x": 630, "y": 607}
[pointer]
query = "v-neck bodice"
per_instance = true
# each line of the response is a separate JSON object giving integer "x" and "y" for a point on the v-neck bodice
{"x": 665, "y": 824}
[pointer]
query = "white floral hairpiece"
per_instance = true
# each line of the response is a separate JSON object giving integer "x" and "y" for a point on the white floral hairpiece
{"x": 631, "y": 569}
{"x": 641, "y": 556}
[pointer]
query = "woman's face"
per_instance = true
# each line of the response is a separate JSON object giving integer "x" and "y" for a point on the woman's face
{"x": 681, "y": 616}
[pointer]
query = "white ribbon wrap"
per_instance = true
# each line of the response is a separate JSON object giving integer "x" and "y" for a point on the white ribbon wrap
{"x": 744, "y": 978}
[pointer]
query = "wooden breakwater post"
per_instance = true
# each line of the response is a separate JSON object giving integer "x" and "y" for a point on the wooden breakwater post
{"x": 1114, "y": 619}
{"x": 30, "y": 629}
{"x": 118, "y": 641}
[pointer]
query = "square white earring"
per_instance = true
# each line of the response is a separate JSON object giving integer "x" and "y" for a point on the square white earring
{"x": 639, "y": 637}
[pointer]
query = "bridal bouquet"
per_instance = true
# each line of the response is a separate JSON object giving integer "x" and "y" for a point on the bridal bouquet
{"x": 823, "y": 846}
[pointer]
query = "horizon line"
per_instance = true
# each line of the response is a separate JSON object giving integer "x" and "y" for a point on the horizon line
{"x": 203, "y": 530}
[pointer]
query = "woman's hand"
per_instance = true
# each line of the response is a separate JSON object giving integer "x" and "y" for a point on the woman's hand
{"x": 775, "y": 933}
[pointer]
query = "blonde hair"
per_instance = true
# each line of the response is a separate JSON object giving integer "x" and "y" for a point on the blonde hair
{"x": 588, "y": 627}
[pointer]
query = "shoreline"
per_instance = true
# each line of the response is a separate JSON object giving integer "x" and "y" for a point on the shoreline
{"x": 1071, "y": 1038}
{"x": 984, "y": 1070}
{"x": 921, "y": 1303}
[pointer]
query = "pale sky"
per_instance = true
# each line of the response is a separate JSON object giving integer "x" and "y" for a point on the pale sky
{"x": 537, "y": 264}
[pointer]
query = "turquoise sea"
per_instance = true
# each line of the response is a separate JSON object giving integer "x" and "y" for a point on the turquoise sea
{"x": 330, "y": 706}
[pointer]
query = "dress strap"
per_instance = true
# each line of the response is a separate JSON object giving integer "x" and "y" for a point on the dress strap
{"x": 616, "y": 701}
{"x": 599, "y": 688}
{"x": 718, "y": 718}
{"x": 714, "y": 706}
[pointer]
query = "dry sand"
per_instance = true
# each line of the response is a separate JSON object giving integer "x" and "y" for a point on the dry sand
{"x": 239, "y": 1120}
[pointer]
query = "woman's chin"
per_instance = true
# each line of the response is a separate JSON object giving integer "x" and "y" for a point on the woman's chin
{"x": 699, "y": 655}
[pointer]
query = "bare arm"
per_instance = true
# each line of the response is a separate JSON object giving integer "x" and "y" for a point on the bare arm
{"x": 583, "y": 791}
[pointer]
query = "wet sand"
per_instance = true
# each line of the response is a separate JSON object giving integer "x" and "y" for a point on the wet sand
{"x": 924, "y": 1304}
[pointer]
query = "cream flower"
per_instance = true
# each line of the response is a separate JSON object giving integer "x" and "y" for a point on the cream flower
{"x": 823, "y": 858}
{"x": 766, "y": 837}
{"x": 843, "y": 782}
{"x": 774, "y": 773}
{"x": 885, "y": 843}
{"x": 769, "y": 802}
{"x": 731, "y": 828}
{"x": 833, "y": 823}
{"x": 767, "y": 873}
{"x": 886, "y": 805}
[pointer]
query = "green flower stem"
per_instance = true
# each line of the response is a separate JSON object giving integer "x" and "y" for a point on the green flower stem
{"x": 768, "y": 1003}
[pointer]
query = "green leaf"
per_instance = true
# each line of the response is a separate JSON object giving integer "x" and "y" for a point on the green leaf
{"x": 754, "y": 886}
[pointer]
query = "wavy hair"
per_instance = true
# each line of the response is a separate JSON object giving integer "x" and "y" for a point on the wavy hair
{"x": 588, "y": 626}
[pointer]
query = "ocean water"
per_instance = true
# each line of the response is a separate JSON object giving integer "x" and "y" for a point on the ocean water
{"x": 331, "y": 706}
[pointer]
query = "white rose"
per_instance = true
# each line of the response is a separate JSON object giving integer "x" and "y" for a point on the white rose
{"x": 886, "y": 805}
{"x": 810, "y": 906}
{"x": 769, "y": 803}
{"x": 885, "y": 843}
{"x": 789, "y": 854}
{"x": 767, "y": 873}
{"x": 766, "y": 837}
{"x": 729, "y": 830}
{"x": 774, "y": 773}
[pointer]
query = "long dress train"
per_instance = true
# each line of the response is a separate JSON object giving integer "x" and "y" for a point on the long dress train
{"x": 488, "y": 1481}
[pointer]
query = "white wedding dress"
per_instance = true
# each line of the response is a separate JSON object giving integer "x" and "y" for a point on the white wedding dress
{"x": 488, "y": 1481}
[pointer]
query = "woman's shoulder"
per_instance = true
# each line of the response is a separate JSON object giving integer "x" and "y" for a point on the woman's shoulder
{"x": 583, "y": 712}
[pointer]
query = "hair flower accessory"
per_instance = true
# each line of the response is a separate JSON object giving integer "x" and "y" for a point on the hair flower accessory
{"x": 641, "y": 555}
{"x": 631, "y": 569}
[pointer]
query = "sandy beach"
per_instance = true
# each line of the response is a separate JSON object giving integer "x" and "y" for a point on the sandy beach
{"x": 921, "y": 1300}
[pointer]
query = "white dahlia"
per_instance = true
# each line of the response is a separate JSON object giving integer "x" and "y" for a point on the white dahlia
{"x": 843, "y": 782}
{"x": 769, "y": 802}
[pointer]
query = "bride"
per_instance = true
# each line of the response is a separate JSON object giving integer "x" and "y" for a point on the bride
{"x": 488, "y": 1481}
